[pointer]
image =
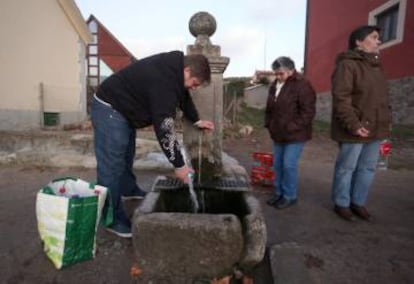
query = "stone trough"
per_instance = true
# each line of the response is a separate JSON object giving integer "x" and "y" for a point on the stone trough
{"x": 174, "y": 243}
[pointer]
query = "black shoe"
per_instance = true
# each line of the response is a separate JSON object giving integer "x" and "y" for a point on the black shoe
{"x": 272, "y": 201}
{"x": 140, "y": 194}
{"x": 285, "y": 203}
{"x": 121, "y": 230}
{"x": 344, "y": 213}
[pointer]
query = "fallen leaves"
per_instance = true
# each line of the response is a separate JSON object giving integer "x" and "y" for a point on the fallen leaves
{"x": 135, "y": 271}
{"x": 227, "y": 279}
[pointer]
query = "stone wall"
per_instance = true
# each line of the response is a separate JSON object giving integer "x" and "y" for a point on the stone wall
{"x": 256, "y": 96}
{"x": 323, "y": 106}
{"x": 401, "y": 99}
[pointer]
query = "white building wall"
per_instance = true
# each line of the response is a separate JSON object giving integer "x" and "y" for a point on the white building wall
{"x": 39, "y": 46}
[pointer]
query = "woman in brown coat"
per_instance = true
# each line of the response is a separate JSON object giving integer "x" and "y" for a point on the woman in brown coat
{"x": 289, "y": 113}
{"x": 361, "y": 118}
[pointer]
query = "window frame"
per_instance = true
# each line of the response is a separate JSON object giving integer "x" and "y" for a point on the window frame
{"x": 372, "y": 20}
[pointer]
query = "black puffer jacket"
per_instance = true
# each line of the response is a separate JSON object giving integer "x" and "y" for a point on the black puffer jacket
{"x": 289, "y": 117}
{"x": 148, "y": 92}
{"x": 359, "y": 98}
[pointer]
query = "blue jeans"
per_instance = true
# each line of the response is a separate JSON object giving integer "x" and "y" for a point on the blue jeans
{"x": 285, "y": 163}
{"x": 354, "y": 172}
{"x": 114, "y": 142}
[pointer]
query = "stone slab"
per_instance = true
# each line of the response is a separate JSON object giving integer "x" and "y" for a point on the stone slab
{"x": 174, "y": 245}
{"x": 288, "y": 264}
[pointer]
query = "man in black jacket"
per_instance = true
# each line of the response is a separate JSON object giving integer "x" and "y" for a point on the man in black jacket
{"x": 147, "y": 92}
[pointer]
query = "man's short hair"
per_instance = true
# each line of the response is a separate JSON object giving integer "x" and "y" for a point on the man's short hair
{"x": 283, "y": 62}
{"x": 360, "y": 34}
{"x": 199, "y": 66}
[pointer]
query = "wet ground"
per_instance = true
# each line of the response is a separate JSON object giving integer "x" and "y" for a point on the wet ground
{"x": 333, "y": 250}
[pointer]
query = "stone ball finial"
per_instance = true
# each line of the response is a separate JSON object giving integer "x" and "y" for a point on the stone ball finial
{"x": 202, "y": 23}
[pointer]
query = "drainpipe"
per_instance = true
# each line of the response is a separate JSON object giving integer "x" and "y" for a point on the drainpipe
{"x": 305, "y": 57}
{"x": 42, "y": 103}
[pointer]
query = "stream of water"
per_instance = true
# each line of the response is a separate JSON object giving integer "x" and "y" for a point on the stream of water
{"x": 200, "y": 144}
{"x": 193, "y": 195}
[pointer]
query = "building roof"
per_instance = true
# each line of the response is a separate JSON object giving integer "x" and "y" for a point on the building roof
{"x": 75, "y": 18}
{"x": 111, "y": 50}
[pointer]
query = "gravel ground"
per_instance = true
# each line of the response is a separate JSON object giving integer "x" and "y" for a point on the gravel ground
{"x": 334, "y": 251}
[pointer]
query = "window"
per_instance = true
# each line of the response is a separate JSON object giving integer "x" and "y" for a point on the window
{"x": 388, "y": 22}
{"x": 93, "y": 81}
{"x": 93, "y": 27}
{"x": 390, "y": 17}
{"x": 95, "y": 38}
{"x": 93, "y": 49}
{"x": 93, "y": 60}
{"x": 93, "y": 71}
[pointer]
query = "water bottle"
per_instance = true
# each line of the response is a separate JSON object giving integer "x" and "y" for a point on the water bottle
{"x": 186, "y": 157}
{"x": 382, "y": 163}
{"x": 190, "y": 176}
{"x": 385, "y": 151}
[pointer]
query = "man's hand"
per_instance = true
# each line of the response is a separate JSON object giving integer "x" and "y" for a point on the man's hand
{"x": 183, "y": 173}
{"x": 205, "y": 124}
{"x": 362, "y": 132}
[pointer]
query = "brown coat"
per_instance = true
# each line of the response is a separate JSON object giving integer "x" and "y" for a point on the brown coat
{"x": 359, "y": 98}
{"x": 289, "y": 117}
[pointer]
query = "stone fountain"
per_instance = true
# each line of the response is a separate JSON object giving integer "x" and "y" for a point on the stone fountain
{"x": 173, "y": 243}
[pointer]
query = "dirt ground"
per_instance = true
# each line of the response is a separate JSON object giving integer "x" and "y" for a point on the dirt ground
{"x": 337, "y": 251}
{"x": 334, "y": 251}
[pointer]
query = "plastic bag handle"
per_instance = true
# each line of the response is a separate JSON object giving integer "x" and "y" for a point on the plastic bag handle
{"x": 108, "y": 210}
{"x": 64, "y": 178}
{"x": 107, "y": 218}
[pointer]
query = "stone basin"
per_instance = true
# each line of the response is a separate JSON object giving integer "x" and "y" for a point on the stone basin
{"x": 172, "y": 242}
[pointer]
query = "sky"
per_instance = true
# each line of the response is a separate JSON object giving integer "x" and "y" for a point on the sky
{"x": 251, "y": 33}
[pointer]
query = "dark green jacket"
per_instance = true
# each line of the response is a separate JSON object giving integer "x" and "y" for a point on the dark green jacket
{"x": 359, "y": 98}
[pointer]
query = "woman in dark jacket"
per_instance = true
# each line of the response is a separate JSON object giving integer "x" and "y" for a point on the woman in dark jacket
{"x": 289, "y": 113}
{"x": 361, "y": 118}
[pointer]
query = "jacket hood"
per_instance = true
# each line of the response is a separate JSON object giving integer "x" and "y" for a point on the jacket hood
{"x": 294, "y": 77}
{"x": 356, "y": 54}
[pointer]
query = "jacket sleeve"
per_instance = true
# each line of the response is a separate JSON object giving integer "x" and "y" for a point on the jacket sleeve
{"x": 268, "y": 110}
{"x": 163, "y": 111}
{"x": 342, "y": 91}
{"x": 306, "y": 107}
{"x": 187, "y": 106}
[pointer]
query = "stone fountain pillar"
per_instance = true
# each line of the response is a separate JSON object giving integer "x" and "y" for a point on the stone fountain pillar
{"x": 174, "y": 244}
{"x": 205, "y": 148}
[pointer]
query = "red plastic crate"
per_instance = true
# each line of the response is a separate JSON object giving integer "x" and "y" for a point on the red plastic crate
{"x": 265, "y": 159}
{"x": 262, "y": 169}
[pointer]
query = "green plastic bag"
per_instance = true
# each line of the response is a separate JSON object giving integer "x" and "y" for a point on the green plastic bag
{"x": 68, "y": 211}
